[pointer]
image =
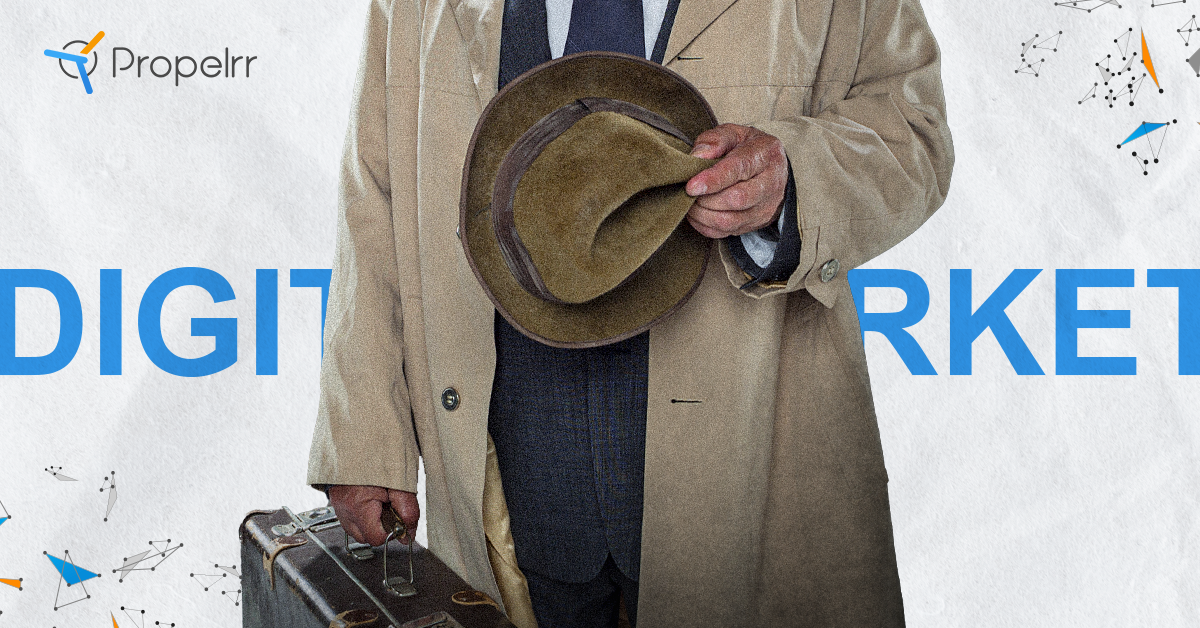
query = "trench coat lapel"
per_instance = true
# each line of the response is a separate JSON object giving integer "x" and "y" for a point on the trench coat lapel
{"x": 480, "y": 22}
{"x": 692, "y": 18}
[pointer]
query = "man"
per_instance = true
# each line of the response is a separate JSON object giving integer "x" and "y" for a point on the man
{"x": 765, "y": 495}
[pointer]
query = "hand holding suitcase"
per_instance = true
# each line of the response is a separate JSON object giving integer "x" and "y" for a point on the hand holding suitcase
{"x": 302, "y": 570}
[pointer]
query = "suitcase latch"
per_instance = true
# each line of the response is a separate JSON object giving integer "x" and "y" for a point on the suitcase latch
{"x": 315, "y": 520}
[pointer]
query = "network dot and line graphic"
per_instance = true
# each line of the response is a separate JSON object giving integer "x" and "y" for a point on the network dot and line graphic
{"x": 148, "y": 560}
{"x": 1088, "y": 5}
{"x": 1037, "y": 42}
{"x": 57, "y": 473}
{"x": 70, "y": 574}
{"x": 1131, "y": 87}
{"x": 6, "y": 516}
{"x": 1185, "y": 31}
{"x": 210, "y": 580}
{"x": 110, "y": 485}
{"x": 1155, "y": 134}
{"x": 137, "y": 618}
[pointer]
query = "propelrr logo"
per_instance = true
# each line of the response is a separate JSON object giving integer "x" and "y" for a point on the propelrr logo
{"x": 130, "y": 65}
{"x": 80, "y": 60}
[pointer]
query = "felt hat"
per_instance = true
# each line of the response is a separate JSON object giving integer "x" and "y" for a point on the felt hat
{"x": 572, "y": 213}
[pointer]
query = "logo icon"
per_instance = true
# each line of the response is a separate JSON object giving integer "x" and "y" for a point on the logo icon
{"x": 80, "y": 60}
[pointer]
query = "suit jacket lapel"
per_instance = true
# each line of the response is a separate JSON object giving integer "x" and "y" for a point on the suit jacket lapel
{"x": 691, "y": 19}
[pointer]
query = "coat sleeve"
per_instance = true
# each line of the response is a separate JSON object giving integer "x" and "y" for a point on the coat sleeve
{"x": 364, "y": 432}
{"x": 874, "y": 160}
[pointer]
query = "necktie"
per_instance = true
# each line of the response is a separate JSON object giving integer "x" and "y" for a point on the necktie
{"x": 614, "y": 25}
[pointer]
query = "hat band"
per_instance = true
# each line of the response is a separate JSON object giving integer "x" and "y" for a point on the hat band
{"x": 523, "y": 153}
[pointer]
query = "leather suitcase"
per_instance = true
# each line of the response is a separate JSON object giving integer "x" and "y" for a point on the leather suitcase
{"x": 302, "y": 571}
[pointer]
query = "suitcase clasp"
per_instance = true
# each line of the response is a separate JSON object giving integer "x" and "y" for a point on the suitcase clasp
{"x": 272, "y": 550}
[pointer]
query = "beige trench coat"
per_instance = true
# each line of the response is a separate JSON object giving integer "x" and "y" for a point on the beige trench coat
{"x": 765, "y": 502}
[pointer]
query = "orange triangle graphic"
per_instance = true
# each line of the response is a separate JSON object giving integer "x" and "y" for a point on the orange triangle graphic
{"x": 1148, "y": 62}
{"x": 16, "y": 584}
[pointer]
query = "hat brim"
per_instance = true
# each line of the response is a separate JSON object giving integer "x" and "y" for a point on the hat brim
{"x": 667, "y": 279}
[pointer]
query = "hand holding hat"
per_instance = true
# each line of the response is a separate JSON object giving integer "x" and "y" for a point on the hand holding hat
{"x": 744, "y": 191}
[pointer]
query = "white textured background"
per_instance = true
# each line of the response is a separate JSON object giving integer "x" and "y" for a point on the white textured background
{"x": 1017, "y": 501}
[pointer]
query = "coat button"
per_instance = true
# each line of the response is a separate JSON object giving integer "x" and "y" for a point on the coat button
{"x": 829, "y": 270}
{"x": 450, "y": 399}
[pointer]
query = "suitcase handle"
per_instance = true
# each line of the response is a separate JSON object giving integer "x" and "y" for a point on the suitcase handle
{"x": 397, "y": 530}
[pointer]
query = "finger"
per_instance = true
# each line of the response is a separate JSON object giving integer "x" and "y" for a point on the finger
{"x": 715, "y": 142}
{"x": 744, "y": 162}
{"x": 368, "y": 521}
{"x": 406, "y": 505}
{"x": 349, "y": 502}
{"x": 364, "y": 505}
{"x": 741, "y": 196}
{"x": 716, "y": 225}
{"x": 352, "y": 522}
{"x": 351, "y": 528}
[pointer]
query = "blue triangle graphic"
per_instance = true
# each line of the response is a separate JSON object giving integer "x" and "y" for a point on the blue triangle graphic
{"x": 1147, "y": 127}
{"x": 2, "y": 520}
{"x": 70, "y": 572}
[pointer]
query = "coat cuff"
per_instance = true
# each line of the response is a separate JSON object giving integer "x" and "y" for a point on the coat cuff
{"x": 784, "y": 232}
